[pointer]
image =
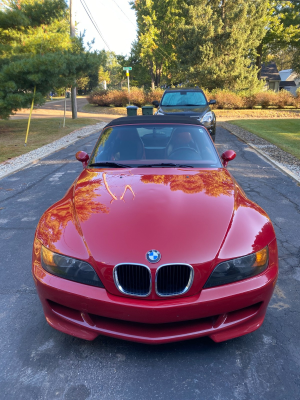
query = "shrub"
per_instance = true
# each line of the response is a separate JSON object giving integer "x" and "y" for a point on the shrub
{"x": 152, "y": 95}
{"x": 285, "y": 98}
{"x": 250, "y": 101}
{"x": 118, "y": 98}
{"x": 106, "y": 98}
{"x": 227, "y": 100}
{"x": 266, "y": 99}
{"x": 208, "y": 95}
{"x": 137, "y": 96}
{"x": 99, "y": 97}
{"x": 297, "y": 98}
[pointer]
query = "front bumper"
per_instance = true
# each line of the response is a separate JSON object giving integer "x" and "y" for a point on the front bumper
{"x": 222, "y": 313}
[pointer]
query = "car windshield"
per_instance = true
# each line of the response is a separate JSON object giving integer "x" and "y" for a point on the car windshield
{"x": 183, "y": 98}
{"x": 155, "y": 145}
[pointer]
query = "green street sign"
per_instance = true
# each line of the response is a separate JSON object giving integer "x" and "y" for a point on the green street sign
{"x": 127, "y": 68}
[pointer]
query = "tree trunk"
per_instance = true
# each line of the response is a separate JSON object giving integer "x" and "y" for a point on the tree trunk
{"x": 158, "y": 76}
{"x": 223, "y": 2}
{"x": 258, "y": 59}
{"x": 151, "y": 70}
{"x": 74, "y": 102}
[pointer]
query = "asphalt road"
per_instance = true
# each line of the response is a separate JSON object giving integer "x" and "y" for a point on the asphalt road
{"x": 59, "y": 104}
{"x": 38, "y": 362}
{"x": 55, "y": 109}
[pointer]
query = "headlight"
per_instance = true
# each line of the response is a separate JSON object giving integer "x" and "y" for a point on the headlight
{"x": 239, "y": 268}
{"x": 208, "y": 117}
{"x": 69, "y": 268}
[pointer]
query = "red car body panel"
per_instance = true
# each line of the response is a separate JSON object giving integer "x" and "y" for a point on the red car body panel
{"x": 197, "y": 217}
{"x": 222, "y": 312}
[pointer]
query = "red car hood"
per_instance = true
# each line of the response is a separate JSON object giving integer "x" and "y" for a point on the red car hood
{"x": 116, "y": 216}
{"x": 184, "y": 214}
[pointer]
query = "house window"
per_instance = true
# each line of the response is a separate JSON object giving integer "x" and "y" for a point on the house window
{"x": 271, "y": 85}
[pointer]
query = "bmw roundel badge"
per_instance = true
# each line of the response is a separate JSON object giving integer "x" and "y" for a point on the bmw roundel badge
{"x": 153, "y": 256}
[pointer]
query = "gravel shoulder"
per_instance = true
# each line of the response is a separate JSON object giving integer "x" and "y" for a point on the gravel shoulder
{"x": 281, "y": 159}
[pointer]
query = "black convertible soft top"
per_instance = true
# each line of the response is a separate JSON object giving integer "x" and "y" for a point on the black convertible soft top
{"x": 154, "y": 119}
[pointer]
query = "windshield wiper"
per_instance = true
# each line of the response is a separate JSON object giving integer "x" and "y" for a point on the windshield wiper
{"x": 110, "y": 164}
{"x": 165, "y": 165}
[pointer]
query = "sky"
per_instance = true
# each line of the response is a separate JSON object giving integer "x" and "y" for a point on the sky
{"x": 117, "y": 29}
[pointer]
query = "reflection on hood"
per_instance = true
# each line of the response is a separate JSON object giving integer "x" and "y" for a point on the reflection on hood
{"x": 85, "y": 198}
{"x": 213, "y": 183}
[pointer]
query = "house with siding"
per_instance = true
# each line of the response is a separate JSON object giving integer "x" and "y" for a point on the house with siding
{"x": 269, "y": 73}
{"x": 290, "y": 81}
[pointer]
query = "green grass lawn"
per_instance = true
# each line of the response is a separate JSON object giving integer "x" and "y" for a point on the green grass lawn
{"x": 42, "y": 131}
{"x": 284, "y": 133}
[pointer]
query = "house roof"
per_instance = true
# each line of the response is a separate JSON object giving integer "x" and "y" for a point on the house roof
{"x": 287, "y": 83}
{"x": 270, "y": 72}
{"x": 293, "y": 77}
{"x": 285, "y": 73}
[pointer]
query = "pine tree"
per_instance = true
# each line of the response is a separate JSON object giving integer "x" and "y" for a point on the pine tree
{"x": 157, "y": 34}
{"x": 37, "y": 51}
{"x": 218, "y": 42}
{"x": 282, "y": 32}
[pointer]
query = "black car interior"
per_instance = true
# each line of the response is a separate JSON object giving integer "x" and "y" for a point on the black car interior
{"x": 154, "y": 142}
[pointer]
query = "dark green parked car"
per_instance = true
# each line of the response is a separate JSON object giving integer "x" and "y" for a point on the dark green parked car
{"x": 189, "y": 103}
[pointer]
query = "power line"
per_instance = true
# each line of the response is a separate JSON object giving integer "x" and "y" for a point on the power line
{"x": 124, "y": 13}
{"x": 85, "y": 6}
{"x": 89, "y": 14}
{"x": 159, "y": 48}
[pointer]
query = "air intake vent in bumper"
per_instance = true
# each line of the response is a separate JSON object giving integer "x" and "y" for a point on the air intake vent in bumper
{"x": 133, "y": 279}
{"x": 173, "y": 279}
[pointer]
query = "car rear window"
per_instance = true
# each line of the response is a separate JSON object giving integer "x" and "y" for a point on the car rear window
{"x": 145, "y": 145}
{"x": 183, "y": 98}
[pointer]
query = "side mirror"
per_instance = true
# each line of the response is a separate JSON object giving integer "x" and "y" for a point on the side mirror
{"x": 227, "y": 156}
{"x": 212, "y": 102}
{"x": 83, "y": 157}
{"x": 155, "y": 103}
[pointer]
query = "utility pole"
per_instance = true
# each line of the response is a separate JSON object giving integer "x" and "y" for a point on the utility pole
{"x": 73, "y": 88}
{"x": 127, "y": 73}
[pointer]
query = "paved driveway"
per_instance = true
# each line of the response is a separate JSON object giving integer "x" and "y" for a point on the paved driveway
{"x": 59, "y": 104}
{"x": 38, "y": 362}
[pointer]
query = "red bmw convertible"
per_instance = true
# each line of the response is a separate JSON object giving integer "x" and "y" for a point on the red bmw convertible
{"x": 155, "y": 241}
